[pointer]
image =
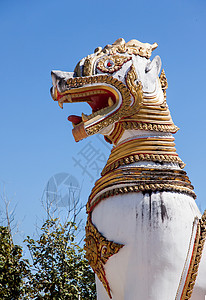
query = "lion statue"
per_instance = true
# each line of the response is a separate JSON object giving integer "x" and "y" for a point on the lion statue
{"x": 145, "y": 234}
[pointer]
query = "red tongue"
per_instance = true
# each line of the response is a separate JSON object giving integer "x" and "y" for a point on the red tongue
{"x": 75, "y": 119}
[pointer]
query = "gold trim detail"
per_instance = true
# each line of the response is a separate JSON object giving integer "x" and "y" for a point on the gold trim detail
{"x": 164, "y": 84}
{"x": 196, "y": 258}
{"x": 116, "y": 62}
{"x": 134, "y": 124}
{"x": 148, "y": 113}
{"x": 128, "y": 180}
{"x": 135, "y": 89}
{"x": 132, "y": 47}
{"x": 98, "y": 251}
{"x": 116, "y": 134}
{"x": 88, "y": 65}
{"x": 158, "y": 149}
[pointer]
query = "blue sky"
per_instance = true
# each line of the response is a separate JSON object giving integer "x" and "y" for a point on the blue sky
{"x": 38, "y": 36}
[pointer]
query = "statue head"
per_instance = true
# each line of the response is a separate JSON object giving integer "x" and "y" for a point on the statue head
{"x": 123, "y": 88}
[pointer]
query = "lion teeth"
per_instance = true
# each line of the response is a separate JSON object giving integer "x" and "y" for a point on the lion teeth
{"x": 60, "y": 104}
{"x": 84, "y": 117}
{"x": 69, "y": 98}
{"x": 110, "y": 102}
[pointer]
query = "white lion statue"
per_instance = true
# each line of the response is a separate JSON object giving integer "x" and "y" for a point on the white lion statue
{"x": 145, "y": 234}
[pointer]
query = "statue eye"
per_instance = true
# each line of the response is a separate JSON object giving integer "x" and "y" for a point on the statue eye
{"x": 112, "y": 63}
{"x": 109, "y": 63}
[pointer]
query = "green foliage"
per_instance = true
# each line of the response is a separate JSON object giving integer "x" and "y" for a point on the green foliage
{"x": 14, "y": 270}
{"x": 60, "y": 268}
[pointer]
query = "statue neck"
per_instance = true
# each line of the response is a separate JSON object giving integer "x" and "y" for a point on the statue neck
{"x": 129, "y": 135}
{"x": 138, "y": 146}
{"x": 142, "y": 161}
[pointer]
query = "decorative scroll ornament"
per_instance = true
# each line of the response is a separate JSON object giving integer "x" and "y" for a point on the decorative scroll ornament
{"x": 112, "y": 63}
{"x": 98, "y": 251}
{"x": 132, "y": 47}
{"x": 139, "y": 179}
{"x": 88, "y": 66}
{"x": 190, "y": 271}
{"x": 164, "y": 84}
{"x": 135, "y": 90}
{"x": 130, "y": 124}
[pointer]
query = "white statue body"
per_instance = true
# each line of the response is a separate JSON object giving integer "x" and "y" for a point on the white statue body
{"x": 154, "y": 216}
{"x": 156, "y": 231}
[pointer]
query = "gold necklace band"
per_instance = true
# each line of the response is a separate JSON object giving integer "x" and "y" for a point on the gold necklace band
{"x": 128, "y": 180}
{"x": 129, "y": 124}
{"x": 158, "y": 149}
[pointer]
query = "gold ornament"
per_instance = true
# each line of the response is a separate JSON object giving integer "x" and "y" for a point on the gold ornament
{"x": 139, "y": 179}
{"x": 116, "y": 134}
{"x": 147, "y": 113}
{"x": 132, "y": 47}
{"x": 88, "y": 66}
{"x": 136, "y": 125}
{"x": 158, "y": 149}
{"x": 195, "y": 259}
{"x": 98, "y": 251}
{"x": 112, "y": 63}
{"x": 164, "y": 84}
{"x": 135, "y": 90}
{"x": 119, "y": 46}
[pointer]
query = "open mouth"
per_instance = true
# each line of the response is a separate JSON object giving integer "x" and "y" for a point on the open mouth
{"x": 102, "y": 99}
{"x": 108, "y": 98}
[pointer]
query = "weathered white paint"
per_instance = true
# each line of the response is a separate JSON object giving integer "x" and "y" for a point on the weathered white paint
{"x": 156, "y": 231}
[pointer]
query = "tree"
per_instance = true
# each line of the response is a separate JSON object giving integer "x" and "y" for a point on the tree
{"x": 14, "y": 270}
{"x": 60, "y": 268}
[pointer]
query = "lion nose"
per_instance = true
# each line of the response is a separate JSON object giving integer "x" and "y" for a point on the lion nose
{"x": 55, "y": 77}
{"x": 59, "y": 75}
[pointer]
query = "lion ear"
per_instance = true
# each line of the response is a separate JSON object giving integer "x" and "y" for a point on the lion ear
{"x": 154, "y": 66}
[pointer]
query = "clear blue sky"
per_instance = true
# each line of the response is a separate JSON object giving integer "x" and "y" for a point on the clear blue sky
{"x": 38, "y": 36}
